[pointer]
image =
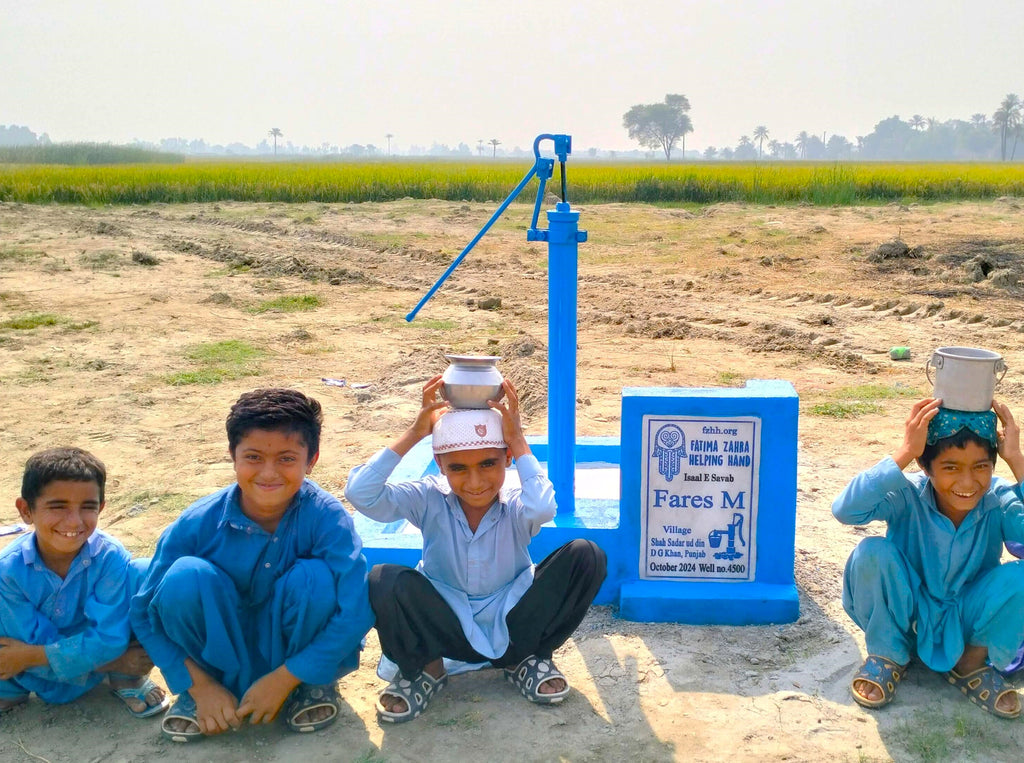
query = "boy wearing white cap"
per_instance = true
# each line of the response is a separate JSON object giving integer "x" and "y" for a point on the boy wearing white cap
{"x": 475, "y": 597}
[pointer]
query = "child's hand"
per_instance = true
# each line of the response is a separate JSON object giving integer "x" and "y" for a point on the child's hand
{"x": 915, "y": 432}
{"x": 1008, "y": 440}
{"x": 16, "y": 657}
{"x": 431, "y": 410}
{"x": 263, "y": 700}
{"x": 216, "y": 707}
{"x": 511, "y": 424}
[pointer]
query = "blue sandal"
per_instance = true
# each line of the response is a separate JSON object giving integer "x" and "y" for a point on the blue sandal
{"x": 144, "y": 686}
{"x": 984, "y": 687}
{"x": 183, "y": 709}
{"x": 880, "y": 672}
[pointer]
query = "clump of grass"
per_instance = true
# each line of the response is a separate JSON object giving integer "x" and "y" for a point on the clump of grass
{"x": 32, "y": 321}
{"x": 731, "y": 379}
{"x": 104, "y": 259}
{"x": 12, "y": 253}
{"x": 288, "y": 304}
{"x": 218, "y": 362}
{"x": 860, "y": 400}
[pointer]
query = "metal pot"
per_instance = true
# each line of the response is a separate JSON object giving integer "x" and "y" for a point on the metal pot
{"x": 965, "y": 377}
{"x": 471, "y": 380}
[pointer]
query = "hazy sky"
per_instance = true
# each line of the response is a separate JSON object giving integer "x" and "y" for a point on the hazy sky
{"x": 452, "y": 71}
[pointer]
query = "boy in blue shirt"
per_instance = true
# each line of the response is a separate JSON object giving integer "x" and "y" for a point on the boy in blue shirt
{"x": 256, "y": 595}
{"x": 64, "y": 593}
{"x": 934, "y": 584}
{"x": 476, "y": 600}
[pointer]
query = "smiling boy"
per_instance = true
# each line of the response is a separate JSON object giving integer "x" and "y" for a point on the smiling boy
{"x": 934, "y": 584}
{"x": 257, "y": 594}
{"x": 476, "y": 597}
{"x": 64, "y": 592}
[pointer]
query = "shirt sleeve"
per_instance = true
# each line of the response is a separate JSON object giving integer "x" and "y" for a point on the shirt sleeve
{"x": 175, "y": 542}
{"x": 1009, "y": 496}
{"x": 106, "y": 613}
{"x": 878, "y": 493}
{"x": 340, "y": 547}
{"x": 370, "y": 493}
{"x": 535, "y": 504}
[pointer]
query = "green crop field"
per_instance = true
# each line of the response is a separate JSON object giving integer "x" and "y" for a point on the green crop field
{"x": 588, "y": 182}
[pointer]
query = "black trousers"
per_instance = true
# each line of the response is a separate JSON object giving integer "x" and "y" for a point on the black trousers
{"x": 416, "y": 626}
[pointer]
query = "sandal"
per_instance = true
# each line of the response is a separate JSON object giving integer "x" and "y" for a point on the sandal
{"x": 528, "y": 676}
{"x": 183, "y": 709}
{"x": 308, "y": 697}
{"x": 880, "y": 672}
{"x": 415, "y": 692}
{"x": 144, "y": 686}
{"x": 984, "y": 687}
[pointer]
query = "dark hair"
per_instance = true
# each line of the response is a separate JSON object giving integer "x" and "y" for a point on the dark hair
{"x": 55, "y": 464}
{"x": 276, "y": 410}
{"x": 958, "y": 440}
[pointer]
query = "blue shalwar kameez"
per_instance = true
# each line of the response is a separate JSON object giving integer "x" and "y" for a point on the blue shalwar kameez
{"x": 81, "y": 618}
{"x": 945, "y": 582}
{"x": 241, "y": 601}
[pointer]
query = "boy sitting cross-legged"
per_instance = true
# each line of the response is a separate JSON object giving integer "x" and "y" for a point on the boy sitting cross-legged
{"x": 476, "y": 597}
{"x": 934, "y": 585}
{"x": 64, "y": 593}
{"x": 257, "y": 593}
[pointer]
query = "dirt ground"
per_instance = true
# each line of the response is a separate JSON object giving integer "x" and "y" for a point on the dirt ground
{"x": 144, "y": 300}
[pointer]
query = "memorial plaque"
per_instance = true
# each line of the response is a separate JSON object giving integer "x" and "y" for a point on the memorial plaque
{"x": 699, "y": 498}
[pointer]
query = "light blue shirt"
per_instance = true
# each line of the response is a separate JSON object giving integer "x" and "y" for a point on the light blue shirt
{"x": 82, "y": 619}
{"x": 214, "y": 528}
{"x": 481, "y": 575}
{"x": 944, "y": 558}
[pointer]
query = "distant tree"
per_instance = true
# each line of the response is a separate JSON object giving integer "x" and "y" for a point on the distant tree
{"x": 389, "y": 136}
{"x": 775, "y": 148}
{"x": 1006, "y": 121}
{"x": 494, "y": 146}
{"x": 788, "y": 151}
{"x": 838, "y": 147}
{"x": 917, "y": 122}
{"x": 979, "y": 120}
{"x": 726, "y": 153}
{"x": 760, "y": 133}
{"x": 480, "y": 147}
{"x": 932, "y": 123}
{"x": 660, "y": 125}
{"x": 710, "y": 152}
{"x": 275, "y": 133}
{"x": 801, "y": 143}
{"x": 745, "y": 150}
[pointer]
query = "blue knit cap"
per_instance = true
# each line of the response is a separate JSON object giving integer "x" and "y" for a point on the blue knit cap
{"x": 948, "y": 422}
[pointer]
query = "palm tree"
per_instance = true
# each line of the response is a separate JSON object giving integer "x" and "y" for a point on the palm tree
{"x": 979, "y": 120}
{"x": 389, "y": 136}
{"x": 494, "y": 146}
{"x": 275, "y": 133}
{"x": 480, "y": 147}
{"x": 775, "y": 148}
{"x": 760, "y": 133}
{"x": 801, "y": 143}
{"x": 917, "y": 122}
{"x": 1007, "y": 120}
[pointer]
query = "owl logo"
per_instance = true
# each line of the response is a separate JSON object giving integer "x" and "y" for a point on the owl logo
{"x": 481, "y": 430}
{"x": 669, "y": 449}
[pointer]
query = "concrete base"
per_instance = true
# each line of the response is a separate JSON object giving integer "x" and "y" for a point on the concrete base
{"x": 659, "y": 601}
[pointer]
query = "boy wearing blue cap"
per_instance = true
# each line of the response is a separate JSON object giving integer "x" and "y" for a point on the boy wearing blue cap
{"x": 934, "y": 584}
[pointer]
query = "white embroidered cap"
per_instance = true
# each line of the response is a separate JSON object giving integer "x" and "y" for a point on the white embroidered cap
{"x": 468, "y": 429}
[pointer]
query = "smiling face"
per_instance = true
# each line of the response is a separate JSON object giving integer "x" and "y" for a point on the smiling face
{"x": 475, "y": 476}
{"x": 270, "y": 467}
{"x": 65, "y": 515}
{"x": 960, "y": 477}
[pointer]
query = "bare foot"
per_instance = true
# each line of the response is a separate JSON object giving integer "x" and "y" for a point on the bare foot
{"x": 867, "y": 690}
{"x": 314, "y": 715}
{"x": 552, "y": 686}
{"x": 181, "y": 726}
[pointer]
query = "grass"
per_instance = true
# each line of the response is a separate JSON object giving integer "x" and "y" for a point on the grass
{"x": 218, "y": 362}
{"x": 289, "y": 304}
{"x": 14, "y": 253}
{"x": 84, "y": 153}
{"x": 32, "y": 321}
{"x": 860, "y": 400}
{"x": 696, "y": 183}
{"x": 969, "y": 735}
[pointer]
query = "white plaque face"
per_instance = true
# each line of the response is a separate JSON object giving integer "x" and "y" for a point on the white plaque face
{"x": 698, "y": 503}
